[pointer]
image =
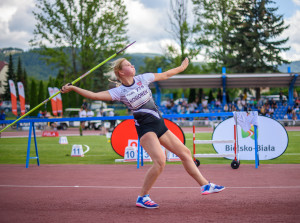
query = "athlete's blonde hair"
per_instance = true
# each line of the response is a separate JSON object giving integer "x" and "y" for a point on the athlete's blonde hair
{"x": 116, "y": 66}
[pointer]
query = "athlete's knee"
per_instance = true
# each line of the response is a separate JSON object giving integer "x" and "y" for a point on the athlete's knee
{"x": 185, "y": 153}
{"x": 160, "y": 164}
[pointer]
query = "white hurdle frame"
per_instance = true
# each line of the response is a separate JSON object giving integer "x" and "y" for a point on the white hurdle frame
{"x": 235, "y": 154}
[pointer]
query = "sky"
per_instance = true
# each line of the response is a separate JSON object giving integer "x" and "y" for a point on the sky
{"x": 148, "y": 23}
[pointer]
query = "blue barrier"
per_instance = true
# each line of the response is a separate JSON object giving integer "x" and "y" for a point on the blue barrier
{"x": 193, "y": 115}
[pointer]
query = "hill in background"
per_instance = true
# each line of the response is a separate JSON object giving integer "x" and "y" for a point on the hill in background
{"x": 36, "y": 67}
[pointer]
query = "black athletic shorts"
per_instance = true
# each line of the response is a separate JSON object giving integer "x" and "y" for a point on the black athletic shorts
{"x": 157, "y": 126}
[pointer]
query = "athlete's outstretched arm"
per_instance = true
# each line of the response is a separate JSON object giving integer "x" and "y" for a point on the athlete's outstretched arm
{"x": 167, "y": 74}
{"x": 102, "y": 96}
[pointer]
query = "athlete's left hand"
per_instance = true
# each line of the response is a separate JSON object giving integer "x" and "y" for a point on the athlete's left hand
{"x": 184, "y": 64}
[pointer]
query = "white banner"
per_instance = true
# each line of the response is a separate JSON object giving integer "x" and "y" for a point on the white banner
{"x": 58, "y": 101}
{"x": 13, "y": 96}
{"x": 272, "y": 139}
{"x": 21, "y": 97}
{"x": 12, "y": 87}
{"x": 21, "y": 89}
{"x": 53, "y": 101}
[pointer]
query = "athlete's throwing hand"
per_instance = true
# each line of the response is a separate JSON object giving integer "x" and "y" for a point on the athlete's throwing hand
{"x": 66, "y": 88}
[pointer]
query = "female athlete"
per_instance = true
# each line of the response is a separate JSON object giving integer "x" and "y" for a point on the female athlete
{"x": 134, "y": 92}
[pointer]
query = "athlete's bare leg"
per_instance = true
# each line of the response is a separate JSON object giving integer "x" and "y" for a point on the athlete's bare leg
{"x": 173, "y": 144}
{"x": 151, "y": 144}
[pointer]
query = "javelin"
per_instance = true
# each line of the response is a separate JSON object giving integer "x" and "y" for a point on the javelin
{"x": 74, "y": 82}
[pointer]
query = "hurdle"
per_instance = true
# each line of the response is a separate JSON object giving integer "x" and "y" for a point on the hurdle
{"x": 234, "y": 164}
{"x": 236, "y": 161}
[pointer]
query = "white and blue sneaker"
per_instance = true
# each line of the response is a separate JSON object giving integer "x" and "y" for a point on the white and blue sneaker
{"x": 146, "y": 202}
{"x": 211, "y": 188}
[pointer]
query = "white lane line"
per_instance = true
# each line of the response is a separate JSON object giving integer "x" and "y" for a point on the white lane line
{"x": 132, "y": 187}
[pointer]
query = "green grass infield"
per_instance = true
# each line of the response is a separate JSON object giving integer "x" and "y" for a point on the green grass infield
{"x": 13, "y": 151}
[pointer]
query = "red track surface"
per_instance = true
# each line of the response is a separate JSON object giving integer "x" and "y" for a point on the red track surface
{"x": 107, "y": 193}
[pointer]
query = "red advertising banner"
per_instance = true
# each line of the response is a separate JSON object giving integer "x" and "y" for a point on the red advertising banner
{"x": 126, "y": 131}
{"x": 50, "y": 134}
{"x": 53, "y": 101}
{"x": 59, "y": 105}
{"x": 13, "y": 95}
{"x": 21, "y": 97}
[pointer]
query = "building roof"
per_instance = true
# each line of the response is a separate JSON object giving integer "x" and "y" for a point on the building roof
{"x": 232, "y": 80}
{"x": 2, "y": 64}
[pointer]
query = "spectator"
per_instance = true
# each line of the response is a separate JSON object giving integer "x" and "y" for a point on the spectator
{"x": 168, "y": 104}
{"x": 218, "y": 103}
{"x": 295, "y": 94}
{"x": 179, "y": 108}
{"x": 225, "y": 108}
{"x": 82, "y": 114}
{"x": 260, "y": 102}
{"x": 2, "y": 117}
{"x": 263, "y": 110}
{"x": 273, "y": 103}
{"x": 54, "y": 125}
{"x": 103, "y": 131}
{"x": 197, "y": 100}
{"x": 294, "y": 117}
{"x": 204, "y": 103}
{"x": 192, "y": 106}
{"x": 233, "y": 108}
{"x": 280, "y": 96}
{"x": 254, "y": 102}
{"x": 286, "y": 123}
{"x": 111, "y": 113}
{"x": 84, "y": 104}
{"x": 57, "y": 125}
{"x": 297, "y": 102}
{"x": 90, "y": 113}
{"x": 40, "y": 114}
{"x": 289, "y": 110}
{"x": 239, "y": 104}
{"x": 251, "y": 102}
{"x": 271, "y": 111}
{"x": 296, "y": 108}
{"x": 205, "y": 110}
{"x": 47, "y": 115}
{"x": 243, "y": 102}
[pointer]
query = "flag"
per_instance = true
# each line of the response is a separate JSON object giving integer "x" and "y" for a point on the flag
{"x": 53, "y": 101}
{"x": 21, "y": 97}
{"x": 59, "y": 105}
{"x": 13, "y": 95}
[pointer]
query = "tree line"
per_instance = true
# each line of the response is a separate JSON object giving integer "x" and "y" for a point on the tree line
{"x": 75, "y": 35}
{"x": 241, "y": 35}
{"x": 35, "y": 90}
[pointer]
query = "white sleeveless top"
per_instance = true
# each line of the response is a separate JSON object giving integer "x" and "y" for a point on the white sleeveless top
{"x": 138, "y": 98}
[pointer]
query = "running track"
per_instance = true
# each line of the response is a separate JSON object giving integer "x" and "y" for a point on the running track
{"x": 107, "y": 193}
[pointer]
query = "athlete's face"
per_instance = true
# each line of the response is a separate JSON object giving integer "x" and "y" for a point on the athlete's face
{"x": 127, "y": 68}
